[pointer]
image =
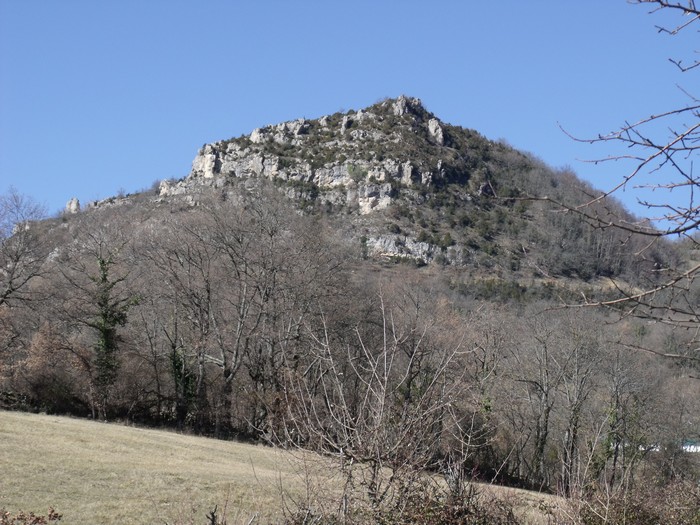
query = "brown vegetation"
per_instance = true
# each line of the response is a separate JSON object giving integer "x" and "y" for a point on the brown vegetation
{"x": 244, "y": 319}
{"x": 232, "y": 313}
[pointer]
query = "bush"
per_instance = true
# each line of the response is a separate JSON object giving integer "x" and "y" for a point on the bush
{"x": 24, "y": 518}
{"x": 675, "y": 504}
{"x": 428, "y": 507}
{"x": 394, "y": 228}
{"x": 357, "y": 173}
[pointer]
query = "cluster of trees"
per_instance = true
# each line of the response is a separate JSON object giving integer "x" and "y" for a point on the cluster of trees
{"x": 242, "y": 318}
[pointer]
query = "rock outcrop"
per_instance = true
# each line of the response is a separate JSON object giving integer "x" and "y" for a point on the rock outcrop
{"x": 357, "y": 159}
{"x": 73, "y": 206}
{"x": 361, "y": 162}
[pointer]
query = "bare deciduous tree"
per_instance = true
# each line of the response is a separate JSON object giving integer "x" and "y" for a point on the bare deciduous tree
{"x": 660, "y": 152}
{"x": 95, "y": 301}
{"x": 21, "y": 257}
{"x": 385, "y": 403}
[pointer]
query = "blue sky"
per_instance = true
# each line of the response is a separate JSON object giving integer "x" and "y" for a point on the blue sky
{"x": 98, "y": 97}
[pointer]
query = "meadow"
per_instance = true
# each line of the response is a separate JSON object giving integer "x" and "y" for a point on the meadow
{"x": 93, "y": 472}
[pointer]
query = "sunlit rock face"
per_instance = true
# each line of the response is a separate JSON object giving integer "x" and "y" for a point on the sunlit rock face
{"x": 353, "y": 159}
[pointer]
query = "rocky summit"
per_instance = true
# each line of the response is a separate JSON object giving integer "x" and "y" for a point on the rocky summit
{"x": 404, "y": 186}
{"x": 358, "y": 159}
{"x": 411, "y": 187}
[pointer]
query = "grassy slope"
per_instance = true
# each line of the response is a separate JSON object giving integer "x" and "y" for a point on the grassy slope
{"x": 103, "y": 473}
{"x": 106, "y": 473}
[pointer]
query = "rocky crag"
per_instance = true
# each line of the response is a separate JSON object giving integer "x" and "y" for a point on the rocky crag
{"x": 355, "y": 159}
{"x": 407, "y": 186}
{"x": 359, "y": 162}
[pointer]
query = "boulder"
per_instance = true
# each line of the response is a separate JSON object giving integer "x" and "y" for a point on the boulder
{"x": 435, "y": 131}
{"x": 73, "y": 206}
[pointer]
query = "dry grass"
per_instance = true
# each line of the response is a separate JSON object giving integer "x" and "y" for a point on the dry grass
{"x": 533, "y": 508}
{"x": 106, "y": 473}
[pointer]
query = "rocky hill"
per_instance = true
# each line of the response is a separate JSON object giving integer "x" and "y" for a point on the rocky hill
{"x": 408, "y": 187}
{"x": 377, "y": 285}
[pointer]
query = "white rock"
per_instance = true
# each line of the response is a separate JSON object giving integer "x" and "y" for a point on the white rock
{"x": 257, "y": 136}
{"x": 299, "y": 126}
{"x": 373, "y": 197}
{"x": 400, "y": 106}
{"x": 405, "y": 104}
{"x": 204, "y": 164}
{"x": 435, "y": 131}
{"x": 164, "y": 188}
{"x": 73, "y": 206}
{"x": 345, "y": 124}
{"x": 208, "y": 164}
{"x": 407, "y": 173}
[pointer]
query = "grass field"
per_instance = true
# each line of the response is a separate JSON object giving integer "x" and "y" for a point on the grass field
{"x": 108, "y": 473}
{"x": 98, "y": 473}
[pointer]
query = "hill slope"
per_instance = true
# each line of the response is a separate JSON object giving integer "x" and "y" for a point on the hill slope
{"x": 262, "y": 298}
{"x": 100, "y": 473}
{"x": 408, "y": 187}
{"x": 104, "y": 473}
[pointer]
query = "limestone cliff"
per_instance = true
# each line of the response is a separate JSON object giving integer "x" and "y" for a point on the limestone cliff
{"x": 360, "y": 163}
{"x": 358, "y": 159}
{"x": 397, "y": 183}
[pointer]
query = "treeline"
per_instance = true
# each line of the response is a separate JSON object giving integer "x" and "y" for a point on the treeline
{"x": 241, "y": 318}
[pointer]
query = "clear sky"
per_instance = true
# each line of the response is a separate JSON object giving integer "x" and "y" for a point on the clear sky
{"x": 98, "y": 97}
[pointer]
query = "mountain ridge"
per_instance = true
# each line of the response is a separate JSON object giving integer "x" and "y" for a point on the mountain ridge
{"x": 408, "y": 187}
{"x": 417, "y": 188}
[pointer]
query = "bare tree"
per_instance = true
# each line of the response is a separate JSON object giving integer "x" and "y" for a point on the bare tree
{"x": 661, "y": 151}
{"x": 385, "y": 403}
{"x": 21, "y": 256}
{"x": 544, "y": 391}
{"x": 584, "y": 354}
{"x": 277, "y": 266}
{"x": 186, "y": 263}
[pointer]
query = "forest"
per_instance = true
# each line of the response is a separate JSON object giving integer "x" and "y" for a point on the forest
{"x": 241, "y": 318}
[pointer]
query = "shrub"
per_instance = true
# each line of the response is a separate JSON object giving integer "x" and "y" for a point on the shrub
{"x": 24, "y": 518}
{"x": 394, "y": 228}
{"x": 429, "y": 506}
{"x": 675, "y": 504}
{"x": 423, "y": 236}
{"x": 357, "y": 173}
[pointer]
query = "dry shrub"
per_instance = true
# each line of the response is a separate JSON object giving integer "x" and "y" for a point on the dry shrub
{"x": 24, "y": 518}
{"x": 431, "y": 506}
{"x": 677, "y": 503}
{"x": 53, "y": 372}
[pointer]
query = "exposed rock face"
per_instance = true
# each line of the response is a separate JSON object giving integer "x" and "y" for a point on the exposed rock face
{"x": 165, "y": 188}
{"x": 360, "y": 161}
{"x": 204, "y": 163}
{"x": 345, "y": 124}
{"x": 404, "y": 105}
{"x": 373, "y": 197}
{"x": 73, "y": 206}
{"x": 353, "y": 159}
{"x": 435, "y": 131}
